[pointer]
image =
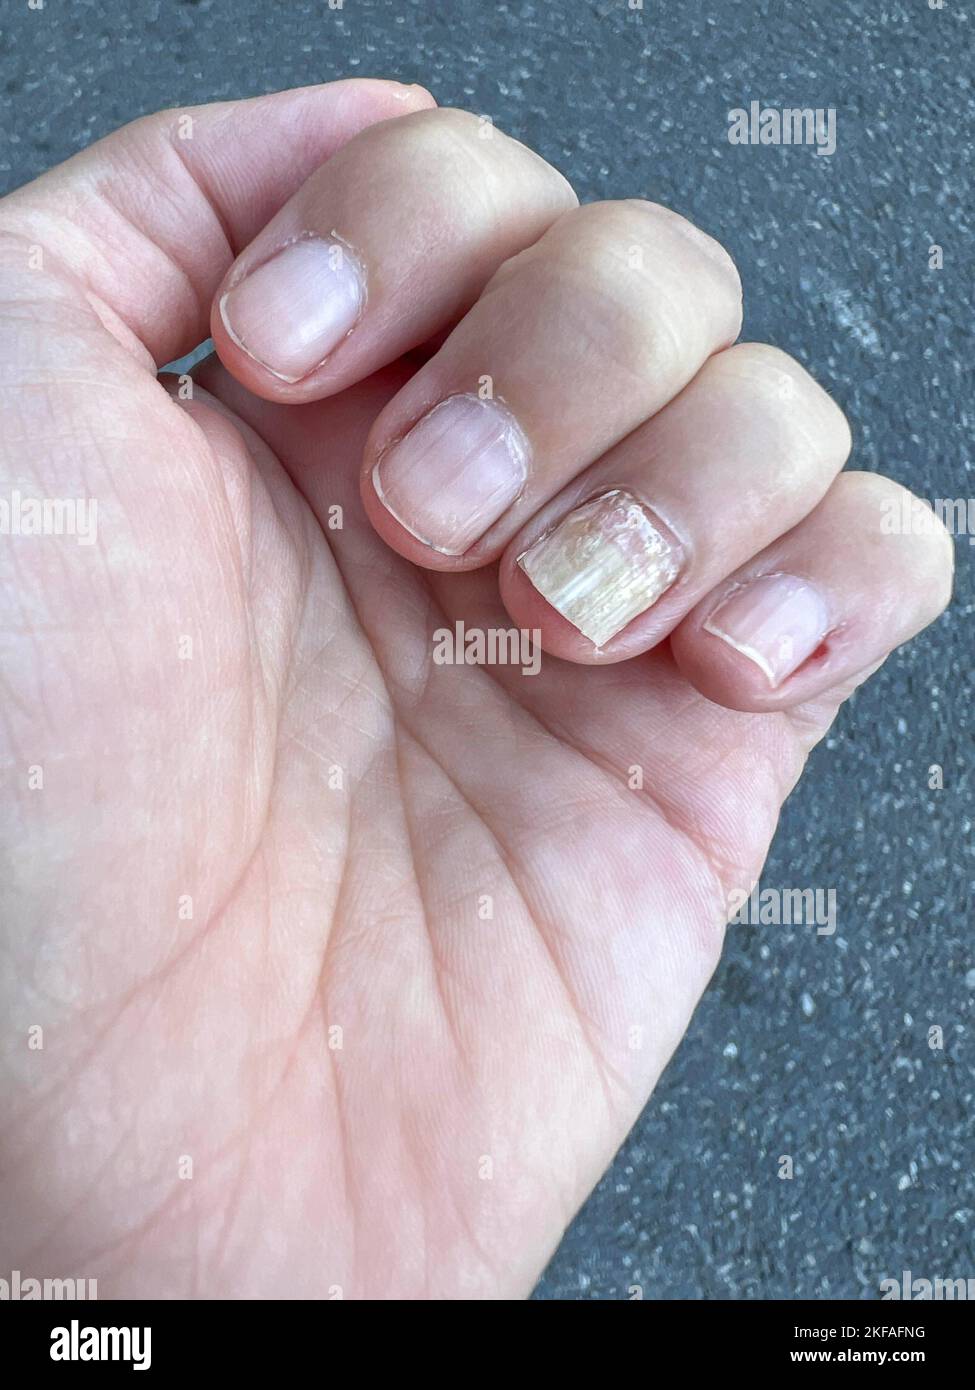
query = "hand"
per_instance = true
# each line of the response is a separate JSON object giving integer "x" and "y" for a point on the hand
{"x": 351, "y": 968}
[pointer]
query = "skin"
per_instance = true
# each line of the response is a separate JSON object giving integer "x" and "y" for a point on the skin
{"x": 384, "y": 1091}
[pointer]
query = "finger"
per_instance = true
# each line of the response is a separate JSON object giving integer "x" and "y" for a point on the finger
{"x": 574, "y": 343}
{"x": 385, "y": 245}
{"x": 148, "y": 220}
{"x": 622, "y": 554}
{"x": 823, "y": 605}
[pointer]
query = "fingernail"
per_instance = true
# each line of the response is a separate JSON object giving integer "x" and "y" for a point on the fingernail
{"x": 296, "y": 308}
{"x": 777, "y": 621}
{"x": 605, "y": 563}
{"x": 460, "y": 468}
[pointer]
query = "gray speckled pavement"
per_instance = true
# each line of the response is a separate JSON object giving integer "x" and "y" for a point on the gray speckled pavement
{"x": 810, "y": 1046}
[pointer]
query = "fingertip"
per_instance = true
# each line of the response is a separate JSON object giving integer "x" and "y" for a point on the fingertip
{"x": 820, "y": 609}
{"x": 729, "y": 673}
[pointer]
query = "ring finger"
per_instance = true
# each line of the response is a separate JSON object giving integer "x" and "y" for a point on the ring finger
{"x": 623, "y": 553}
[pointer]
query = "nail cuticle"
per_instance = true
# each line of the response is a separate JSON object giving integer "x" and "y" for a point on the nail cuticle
{"x": 666, "y": 529}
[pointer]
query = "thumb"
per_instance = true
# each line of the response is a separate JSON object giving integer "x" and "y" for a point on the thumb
{"x": 148, "y": 220}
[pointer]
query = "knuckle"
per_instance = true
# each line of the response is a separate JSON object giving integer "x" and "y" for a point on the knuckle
{"x": 445, "y": 134}
{"x": 433, "y": 145}
{"x": 656, "y": 260}
{"x": 668, "y": 221}
{"x": 934, "y": 549}
{"x": 603, "y": 253}
{"x": 895, "y": 511}
{"x": 785, "y": 393}
{"x": 461, "y": 152}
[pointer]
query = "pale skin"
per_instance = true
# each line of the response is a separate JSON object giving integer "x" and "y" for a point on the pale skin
{"x": 354, "y": 970}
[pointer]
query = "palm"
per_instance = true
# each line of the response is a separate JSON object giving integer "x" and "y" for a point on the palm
{"x": 341, "y": 834}
{"x": 339, "y": 970}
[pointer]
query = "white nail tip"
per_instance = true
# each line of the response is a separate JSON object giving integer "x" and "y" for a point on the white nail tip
{"x": 752, "y": 653}
{"x": 378, "y": 485}
{"x": 603, "y": 565}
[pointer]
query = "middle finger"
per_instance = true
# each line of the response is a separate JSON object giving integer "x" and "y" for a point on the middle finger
{"x": 573, "y": 344}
